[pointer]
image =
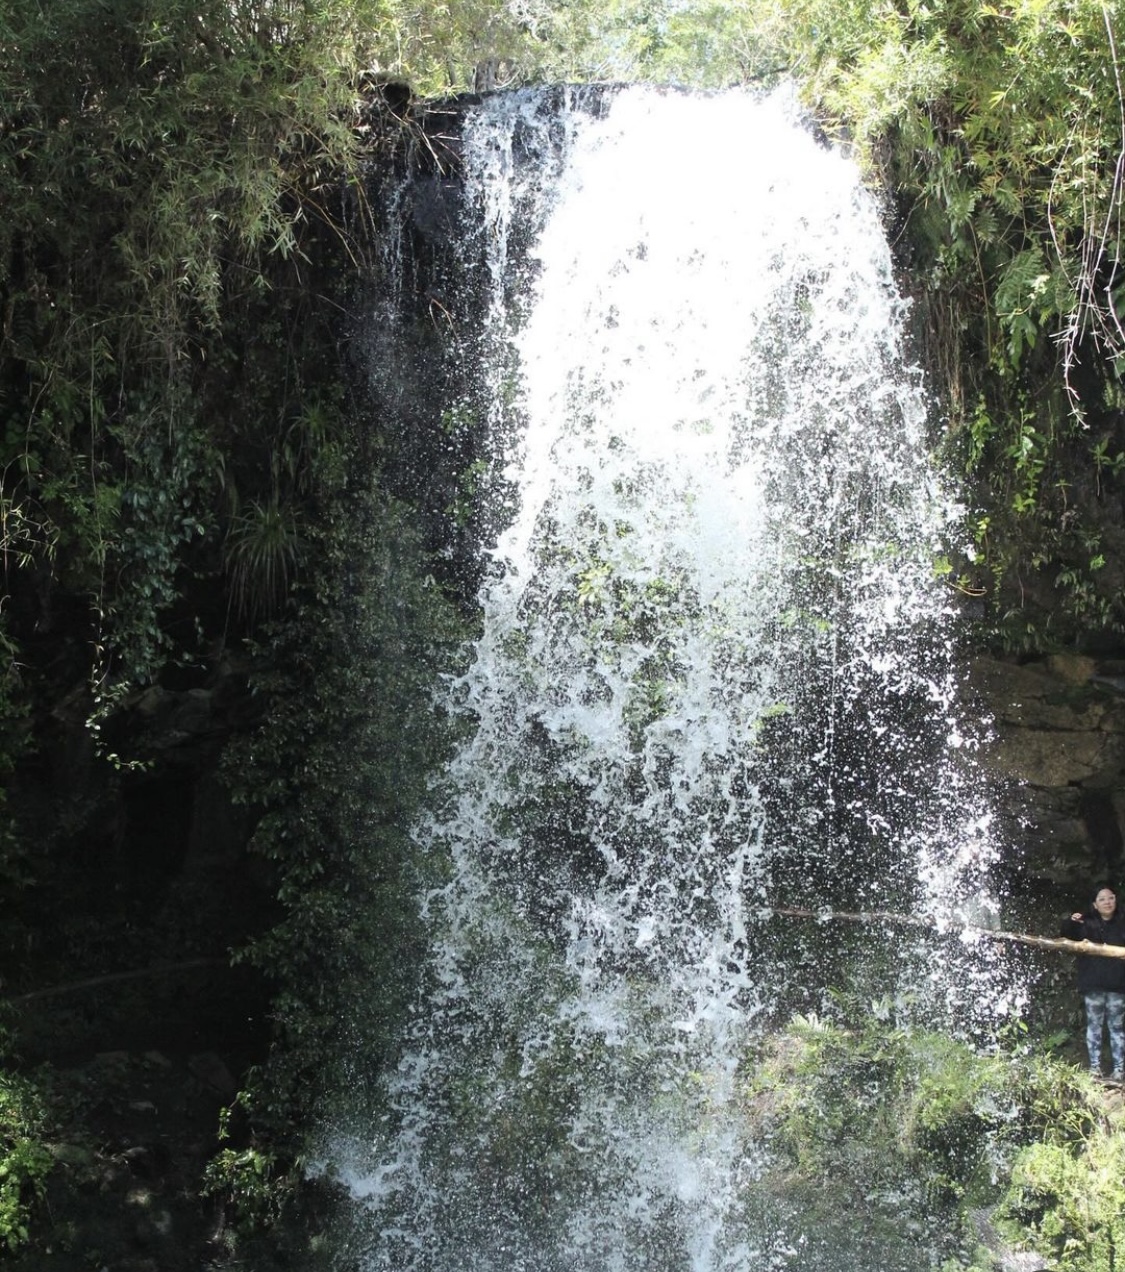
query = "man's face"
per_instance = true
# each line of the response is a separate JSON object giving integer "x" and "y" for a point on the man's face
{"x": 1105, "y": 903}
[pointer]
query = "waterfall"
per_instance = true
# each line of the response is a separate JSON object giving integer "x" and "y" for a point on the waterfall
{"x": 714, "y": 674}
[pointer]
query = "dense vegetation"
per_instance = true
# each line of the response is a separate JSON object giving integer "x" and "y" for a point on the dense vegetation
{"x": 190, "y": 506}
{"x": 185, "y": 487}
{"x": 977, "y": 1156}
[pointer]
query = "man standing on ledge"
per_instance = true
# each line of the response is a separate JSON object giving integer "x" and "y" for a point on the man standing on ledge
{"x": 1101, "y": 981}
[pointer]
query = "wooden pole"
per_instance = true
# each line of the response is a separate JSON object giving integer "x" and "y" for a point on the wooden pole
{"x": 1058, "y": 943}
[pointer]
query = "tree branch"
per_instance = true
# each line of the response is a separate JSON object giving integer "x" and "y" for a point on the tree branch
{"x": 94, "y": 982}
{"x": 1059, "y": 943}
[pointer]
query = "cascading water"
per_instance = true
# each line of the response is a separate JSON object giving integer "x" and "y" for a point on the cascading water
{"x": 713, "y": 675}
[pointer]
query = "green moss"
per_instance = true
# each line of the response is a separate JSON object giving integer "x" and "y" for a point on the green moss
{"x": 905, "y": 1127}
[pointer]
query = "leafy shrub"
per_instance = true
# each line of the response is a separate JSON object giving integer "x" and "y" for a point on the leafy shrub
{"x": 25, "y": 1161}
{"x": 335, "y": 770}
{"x": 1071, "y": 1196}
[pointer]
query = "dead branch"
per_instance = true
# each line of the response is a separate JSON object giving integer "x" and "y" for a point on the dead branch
{"x": 1059, "y": 943}
{"x": 111, "y": 978}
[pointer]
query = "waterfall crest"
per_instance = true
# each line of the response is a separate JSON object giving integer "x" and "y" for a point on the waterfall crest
{"x": 714, "y": 674}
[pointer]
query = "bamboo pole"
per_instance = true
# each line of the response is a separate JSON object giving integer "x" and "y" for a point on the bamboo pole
{"x": 1061, "y": 944}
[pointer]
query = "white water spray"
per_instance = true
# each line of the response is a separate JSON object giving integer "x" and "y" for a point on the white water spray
{"x": 713, "y": 674}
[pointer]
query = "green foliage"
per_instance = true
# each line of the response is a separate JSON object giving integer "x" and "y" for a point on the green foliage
{"x": 875, "y": 1104}
{"x": 706, "y": 44}
{"x": 252, "y": 1183}
{"x": 166, "y": 171}
{"x": 173, "y": 462}
{"x": 25, "y": 1162}
{"x": 1072, "y": 1198}
{"x": 845, "y": 1091}
{"x": 263, "y": 549}
{"x": 337, "y": 768}
{"x": 867, "y": 1116}
{"x": 15, "y": 853}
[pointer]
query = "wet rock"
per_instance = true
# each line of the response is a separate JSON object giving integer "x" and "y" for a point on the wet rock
{"x": 1055, "y": 758}
{"x": 1056, "y": 754}
{"x": 150, "y": 701}
{"x": 112, "y": 1059}
{"x": 1075, "y": 668}
{"x": 213, "y": 1073}
{"x": 1005, "y": 1258}
{"x": 1032, "y": 696}
{"x": 154, "y": 1227}
{"x": 71, "y": 1154}
{"x": 147, "y": 1161}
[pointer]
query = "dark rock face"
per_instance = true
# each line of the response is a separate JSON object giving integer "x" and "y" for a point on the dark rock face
{"x": 1057, "y": 753}
{"x": 152, "y": 845}
{"x": 124, "y": 1191}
